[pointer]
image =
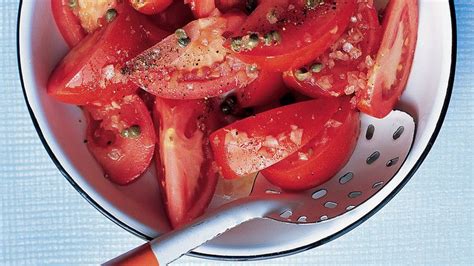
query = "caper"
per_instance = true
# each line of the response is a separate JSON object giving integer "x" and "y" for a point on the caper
{"x": 302, "y": 74}
{"x": 131, "y": 132}
{"x": 236, "y": 44}
{"x": 316, "y": 68}
{"x": 72, "y": 3}
{"x": 275, "y": 36}
{"x": 110, "y": 15}
{"x": 184, "y": 42}
{"x": 252, "y": 41}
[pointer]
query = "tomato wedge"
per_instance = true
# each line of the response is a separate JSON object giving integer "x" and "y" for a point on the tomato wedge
{"x": 342, "y": 69}
{"x": 91, "y": 71}
{"x": 191, "y": 64}
{"x": 323, "y": 157}
{"x": 201, "y": 8}
{"x": 287, "y": 34}
{"x": 185, "y": 167}
{"x": 388, "y": 77}
{"x": 121, "y": 137}
{"x": 150, "y": 7}
{"x": 255, "y": 143}
{"x": 68, "y": 23}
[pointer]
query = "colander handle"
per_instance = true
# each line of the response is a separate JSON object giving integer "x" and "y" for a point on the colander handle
{"x": 171, "y": 246}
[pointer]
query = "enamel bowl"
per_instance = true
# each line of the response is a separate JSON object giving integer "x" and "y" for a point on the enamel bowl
{"x": 137, "y": 208}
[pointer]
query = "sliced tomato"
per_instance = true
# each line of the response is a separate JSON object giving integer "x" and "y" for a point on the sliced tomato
{"x": 68, "y": 23}
{"x": 185, "y": 167}
{"x": 201, "y": 8}
{"x": 176, "y": 16}
{"x": 267, "y": 88}
{"x": 191, "y": 64}
{"x": 255, "y": 143}
{"x": 342, "y": 69}
{"x": 323, "y": 157}
{"x": 150, "y": 7}
{"x": 388, "y": 76}
{"x": 286, "y": 34}
{"x": 91, "y": 71}
{"x": 121, "y": 137}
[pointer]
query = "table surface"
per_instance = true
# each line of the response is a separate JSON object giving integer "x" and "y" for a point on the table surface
{"x": 43, "y": 220}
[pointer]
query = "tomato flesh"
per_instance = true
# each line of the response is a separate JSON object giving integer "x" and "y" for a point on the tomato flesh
{"x": 201, "y": 8}
{"x": 200, "y": 68}
{"x": 303, "y": 33}
{"x": 91, "y": 12}
{"x": 255, "y": 143}
{"x": 124, "y": 155}
{"x": 322, "y": 157}
{"x": 388, "y": 77}
{"x": 68, "y": 23}
{"x": 176, "y": 16}
{"x": 150, "y": 7}
{"x": 342, "y": 69}
{"x": 91, "y": 71}
{"x": 184, "y": 160}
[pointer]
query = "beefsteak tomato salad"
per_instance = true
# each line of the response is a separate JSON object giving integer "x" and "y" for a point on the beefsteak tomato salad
{"x": 215, "y": 91}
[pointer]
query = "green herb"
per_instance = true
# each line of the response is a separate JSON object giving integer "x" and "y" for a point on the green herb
{"x": 131, "y": 132}
{"x": 110, "y": 15}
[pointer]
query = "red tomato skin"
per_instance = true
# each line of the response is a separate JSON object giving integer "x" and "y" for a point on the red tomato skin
{"x": 172, "y": 71}
{"x": 176, "y": 16}
{"x": 91, "y": 72}
{"x": 293, "y": 52}
{"x": 386, "y": 80}
{"x": 123, "y": 159}
{"x": 323, "y": 157}
{"x": 241, "y": 148}
{"x": 267, "y": 88}
{"x": 188, "y": 185}
{"x": 343, "y": 73}
{"x": 150, "y": 7}
{"x": 68, "y": 24}
{"x": 201, "y": 8}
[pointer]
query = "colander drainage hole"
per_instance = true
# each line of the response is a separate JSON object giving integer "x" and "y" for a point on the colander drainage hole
{"x": 354, "y": 194}
{"x": 286, "y": 214}
{"x": 302, "y": 219}
{"x": 369, "y": 134}
{"x": 346, "y": 178}
{"x": 373, "y": 157}
{"x": 377, "y": 185}
{"x": 330, "y": 205}
{"x": 350, "y": 207}
{"x": 272, "y": 191}
{"x": 323, "y": 218}
{"x": 319, "y": 194}
{"x": 392, "y": 162}
{"x": 398, "y": 133}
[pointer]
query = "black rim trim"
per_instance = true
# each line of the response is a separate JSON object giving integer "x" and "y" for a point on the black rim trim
{"x": 269, "y": 255}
